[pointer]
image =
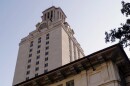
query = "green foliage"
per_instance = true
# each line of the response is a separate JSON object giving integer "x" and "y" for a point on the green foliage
{"x": 122, "y": 34}
{"x": 125, "y": 8}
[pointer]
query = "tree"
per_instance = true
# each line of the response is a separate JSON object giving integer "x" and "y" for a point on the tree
{"x": 122, "y": 33}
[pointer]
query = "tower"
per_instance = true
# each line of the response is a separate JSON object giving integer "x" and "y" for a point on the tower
{"x": 51, "y": 45}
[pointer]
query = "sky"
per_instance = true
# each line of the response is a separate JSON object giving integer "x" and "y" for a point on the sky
{"x": 88, "y": 18}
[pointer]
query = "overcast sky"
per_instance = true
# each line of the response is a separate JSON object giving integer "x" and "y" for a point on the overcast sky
{"x": 88, "y": 18}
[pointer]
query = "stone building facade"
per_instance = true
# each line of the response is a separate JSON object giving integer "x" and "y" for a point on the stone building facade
{"x": 51, "y": 45}
{"x": 107, "y": 67}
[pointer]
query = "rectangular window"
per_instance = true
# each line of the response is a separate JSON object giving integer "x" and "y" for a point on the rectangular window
{"x": 28, "y": 66}
{"x": 48, "y": 15}
{"x": 29, "y": 60}
{"x": 37, "y": 62}
{"x": 60, "y": 85}
{"x": 31, "y": 44}
{"x": 28, "y": 72}
{"x": 70, "y": 83}
{"x": 27, "y": 78}
{"x": 38, "y": 56}
{"x": 47, "y": 42}
{"x": 46, "y": 53}
{"x": 36, "y": 74}
{"x": 51, "y": 14}
{"x": 47, "y": 38}
{"x": 45, "y": 71}
{"x": 30, "y": 55}
{"x": 37, "y": 68}
{"x": 38, "y": 51}
{"x": 38, "y": 46}
{"x": 46, "y": 64}
{"x": 30, "y": 50}
{"x": 60, "y": 15}
{"x": 47, "y": 47}
{"x": 47, "y": 35}
{"x": 39, "y": 40}
{"x": 46, "y": 59}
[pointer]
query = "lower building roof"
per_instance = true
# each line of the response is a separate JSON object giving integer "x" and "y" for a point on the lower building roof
{"x": 114, "y": 53}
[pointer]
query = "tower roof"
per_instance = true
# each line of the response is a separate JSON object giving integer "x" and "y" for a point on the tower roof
{"x": 55, "y": 8}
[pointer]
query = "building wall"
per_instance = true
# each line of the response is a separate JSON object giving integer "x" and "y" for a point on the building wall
{"x": 55, "y": 56}
{"x": 65, "y": 48}
{"x": 42, "y": 59}
{"x": 21, "y": 63}
{"x": 79, "y": 80}
{"x": 105, "y": 74}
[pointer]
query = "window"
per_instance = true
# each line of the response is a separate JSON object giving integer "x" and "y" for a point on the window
{"x": 70, "y": 83}
{"x": 47, "y": 47}
{"x": 37, "y": 62}
{"x": 47, "y": 37}
{"x": 30, "y": 50}
{"x": 60, "y": 85}
{"x": 46, "y": 64}
{"x": 36, "y": 74}
{"x": 31, "y": 44}
{"x": 27, "y": 78}
{"x": 28, "y": 66}
{"x": 29, "y": 60}
{"x": 38, "y": 46}
{"x": 60, "y": 14}
{"x": 48, "y": 15}
{"x": 28, "y": 72}
{"x": 39, "y": 40}
{"x": 46, "y": 53}
{"x": 46, "y": 59}
{"x": 51, "y": 14}
{"x": 47, "y": 42}
{"x": 38, "y": 56}
{"x": 30, "y": 55}
{"x": 38, "y": 51}
{"x": 37, "y": 68}
{"x": 45, "y": 70}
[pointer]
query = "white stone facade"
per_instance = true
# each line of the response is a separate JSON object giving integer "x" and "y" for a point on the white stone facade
{"x": 107, "y": 67}
{"x": 105, "y": 74}
{"x": 51, "y": 45}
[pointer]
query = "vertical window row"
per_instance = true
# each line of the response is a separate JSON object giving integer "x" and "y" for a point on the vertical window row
{"x": 38, "y": 56}
{"x": 46, "y": 53}
{"x": 29, "y": 60}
